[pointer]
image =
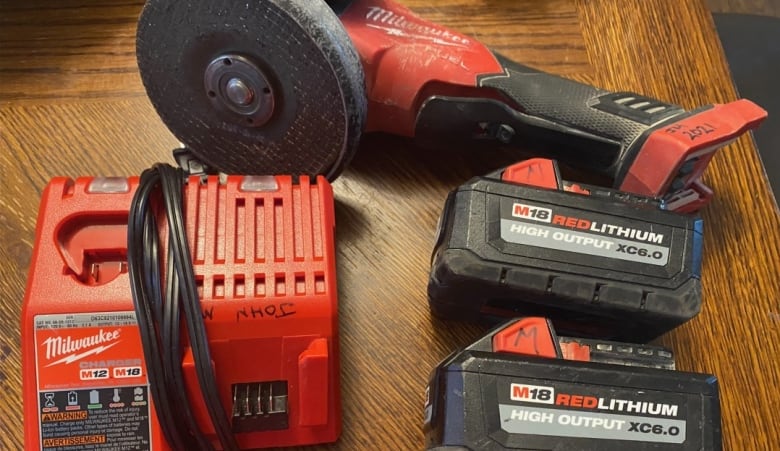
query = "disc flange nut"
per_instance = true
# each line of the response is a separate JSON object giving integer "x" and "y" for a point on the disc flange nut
{"x": 239, "y": 89}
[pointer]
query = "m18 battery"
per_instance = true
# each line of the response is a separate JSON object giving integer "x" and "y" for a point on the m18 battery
{"x": 521, "y": 387}
{"x": 598, "y": 262}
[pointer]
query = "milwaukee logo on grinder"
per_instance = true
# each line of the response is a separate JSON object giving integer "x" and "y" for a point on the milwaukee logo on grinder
{"x": 93, "y": 344}
{"x": 399, "y": 25}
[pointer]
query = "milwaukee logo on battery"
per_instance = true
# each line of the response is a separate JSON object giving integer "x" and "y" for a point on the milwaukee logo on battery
{"x": 547, "y": 395}
{"x": 532, "y": 212}
{"x": 541, "y": 214}
{"x": 90, "y": 345}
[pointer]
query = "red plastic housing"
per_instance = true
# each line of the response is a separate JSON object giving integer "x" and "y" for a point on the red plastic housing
{"x": 264, "y": 259}
{"x": 408, "y": 59}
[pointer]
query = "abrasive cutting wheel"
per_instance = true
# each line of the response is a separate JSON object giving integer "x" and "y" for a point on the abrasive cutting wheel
{"x": 259, "y": 87}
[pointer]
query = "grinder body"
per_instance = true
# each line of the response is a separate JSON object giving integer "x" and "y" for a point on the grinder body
{"x": 448, "y": 90}
{"x": 289, "y": 85}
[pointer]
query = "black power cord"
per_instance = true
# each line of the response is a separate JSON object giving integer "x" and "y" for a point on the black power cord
{"x": 158, "y": 307}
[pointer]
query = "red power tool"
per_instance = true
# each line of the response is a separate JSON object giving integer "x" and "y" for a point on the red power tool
{"x": 288, "y": 86}
{"x": 250, "y": 359}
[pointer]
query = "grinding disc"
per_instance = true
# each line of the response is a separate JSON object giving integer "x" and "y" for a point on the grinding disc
{"x": 254, "y": 87}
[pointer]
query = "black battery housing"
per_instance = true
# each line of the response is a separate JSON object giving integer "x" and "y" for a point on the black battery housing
{"x": 470, "y": 405}
{"x": 477, "y": 273}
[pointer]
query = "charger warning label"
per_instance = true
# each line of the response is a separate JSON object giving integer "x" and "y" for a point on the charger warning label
{"x": 93, "y": 392}
{"x": 106, "y": 418}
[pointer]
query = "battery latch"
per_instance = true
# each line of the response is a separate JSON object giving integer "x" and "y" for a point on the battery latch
{"x": 532, "y": 336}
{"x": 539, "y": 172}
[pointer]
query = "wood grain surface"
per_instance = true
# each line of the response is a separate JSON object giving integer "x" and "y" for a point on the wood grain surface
{"x": 71, "y": 103}
{"x": 758, "y": 7}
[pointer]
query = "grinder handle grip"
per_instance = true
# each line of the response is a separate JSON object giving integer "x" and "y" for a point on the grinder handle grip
{"x": 580, "y": 111}
{"x": 645, "y": 146}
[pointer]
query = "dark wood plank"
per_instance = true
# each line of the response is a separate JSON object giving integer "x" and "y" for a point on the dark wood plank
{"x": 759, "y": 7}
{"x": 70, "y": 50}
{"x": 72, "y": 104}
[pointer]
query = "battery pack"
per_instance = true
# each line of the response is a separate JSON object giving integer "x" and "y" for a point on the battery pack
{"x": 264, "y": 263}
{"x": 521, "y": 387}
{"x": 598, "y": 262}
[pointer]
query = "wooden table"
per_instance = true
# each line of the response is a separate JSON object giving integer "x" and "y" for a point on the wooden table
{"x": 71, "y": 103}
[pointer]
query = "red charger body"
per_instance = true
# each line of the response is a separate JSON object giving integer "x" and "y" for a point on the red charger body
{"x": 264, "y": 259}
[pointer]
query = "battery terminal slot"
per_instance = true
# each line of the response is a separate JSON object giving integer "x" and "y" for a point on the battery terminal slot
{"x": 260, "y": 406}
{"x": 93, "y": 248}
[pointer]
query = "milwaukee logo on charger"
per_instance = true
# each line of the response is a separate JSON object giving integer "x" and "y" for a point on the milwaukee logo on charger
{"x": 99, "y": 342}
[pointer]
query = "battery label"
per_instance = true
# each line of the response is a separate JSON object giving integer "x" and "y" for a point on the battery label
{"x": 577, "y": 411}
{"x": 572, "y": 423}
{"x": 93, "y": 392}
{"x": 586, "y": 233}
